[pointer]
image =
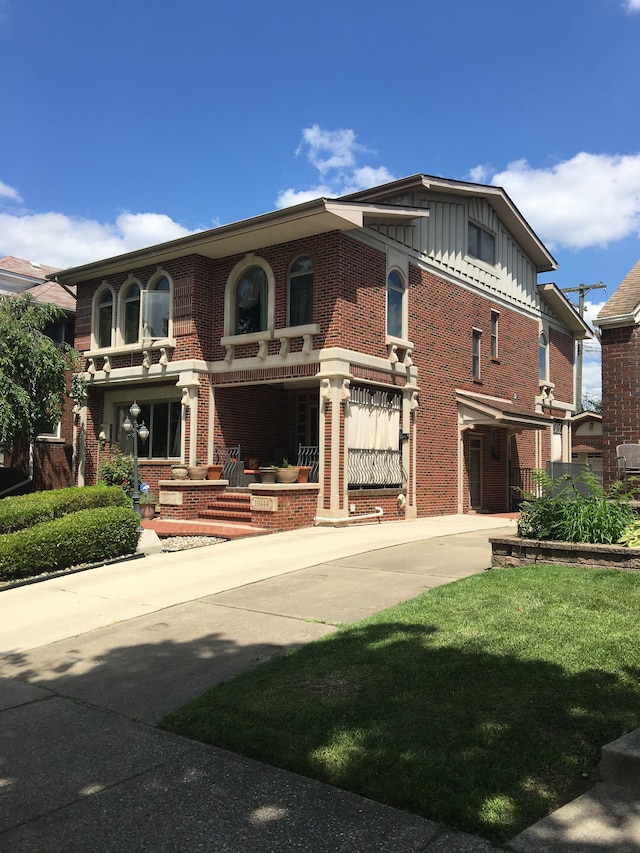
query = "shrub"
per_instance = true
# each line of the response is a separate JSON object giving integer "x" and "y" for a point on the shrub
{"x": 87, "y": 536}
{"x": 21, "y": 511}
{"x": 558, "y": 510}
{"x": 117, "y": 471}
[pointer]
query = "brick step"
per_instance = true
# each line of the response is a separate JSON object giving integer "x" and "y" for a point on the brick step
{"x": 222, "y": 514}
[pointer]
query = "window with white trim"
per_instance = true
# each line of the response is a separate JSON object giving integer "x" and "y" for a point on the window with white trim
{"x": 156, "y": 309}
{"x": 130, "y": 310}
{"x": 481, "y": 244}
{"x": 494, "y": 334}
{"x": 475, "y": 353}
{"x": 395, "y": 305}
{"x": 250, "y": 302}
{"x": 543, "y": 357}
{"x": 301, "y": 292}
{"x": 104, "y": 317}
{"x": 164, "y": 421}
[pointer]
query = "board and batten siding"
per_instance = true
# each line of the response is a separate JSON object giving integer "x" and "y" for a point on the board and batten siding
{"x": 441, "y": 241}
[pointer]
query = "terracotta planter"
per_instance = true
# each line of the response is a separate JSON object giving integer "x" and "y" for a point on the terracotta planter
{"x": 303, "y": 476}
{"x": 147, "y": 511}
{"x": 179, "y": 472}
{"x": 198, "y": 472}
{"x": 287, "y": 475}
{"x": 214, "y": 472}
{"x": 268, "y": 475}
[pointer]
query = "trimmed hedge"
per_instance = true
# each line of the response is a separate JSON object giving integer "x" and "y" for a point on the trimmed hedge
{"x": 87, "y": 536}
{"x": 22, "y": 511}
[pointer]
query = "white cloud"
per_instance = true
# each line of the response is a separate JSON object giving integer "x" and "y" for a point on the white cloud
{"x": 334, "y": 153}
{"x": 589, "y": 200}
{"x": 62, "y": 241}
{"x": 9, "y": 192}
{"x": 632, "y": 6}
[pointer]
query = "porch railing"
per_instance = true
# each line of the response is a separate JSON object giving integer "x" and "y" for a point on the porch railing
{"x": 375, "y": 468}
{"x": 308, "y": 455}
{"x": 232, "y": 464}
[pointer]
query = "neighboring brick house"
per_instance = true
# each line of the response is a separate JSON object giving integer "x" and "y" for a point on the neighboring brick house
{"x": 618, "y": 323}
{"x": 53, "y": 453}
{"x": 400, "y": 331}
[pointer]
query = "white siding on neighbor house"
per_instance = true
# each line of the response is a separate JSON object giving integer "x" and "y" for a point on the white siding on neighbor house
{"x": 440, "y": 240}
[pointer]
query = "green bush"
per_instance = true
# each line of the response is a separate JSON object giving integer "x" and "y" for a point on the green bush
{"x": 22, "y": 511}
{"x": 117, "y": 471}
{"x": 87, "y": 536}
{"x": 557, "y": 510}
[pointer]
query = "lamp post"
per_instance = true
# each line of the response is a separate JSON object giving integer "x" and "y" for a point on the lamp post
{"x": 134, "y": 429}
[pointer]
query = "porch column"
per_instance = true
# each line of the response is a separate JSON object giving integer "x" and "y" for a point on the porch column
{"x": 333, "y": 505}
{"x": 409, "y": 448}
{"x": 190, "y": 386}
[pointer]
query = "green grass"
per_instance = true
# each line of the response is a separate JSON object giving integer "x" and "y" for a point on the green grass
{"x": 480, "y": 704}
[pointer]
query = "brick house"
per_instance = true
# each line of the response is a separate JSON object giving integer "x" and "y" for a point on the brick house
{"x": 52, "y": 453}
{"x": 586, "y": 440}
{"x": 398, "y": 335}
{"x": 618, "y": 323}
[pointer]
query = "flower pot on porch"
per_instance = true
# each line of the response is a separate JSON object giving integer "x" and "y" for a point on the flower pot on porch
{"x": 147, "y": 510}
{"x": 267, "y": 474}
{"x": 198, "y": 472}
{"x": 305, "y": 471}
{"x": 287, "y": 475}
{"x": 179, "y": 472}
{"x": 214, "y": 472}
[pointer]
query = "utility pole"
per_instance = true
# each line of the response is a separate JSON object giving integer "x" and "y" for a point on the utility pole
{"x": 581, "y": 290}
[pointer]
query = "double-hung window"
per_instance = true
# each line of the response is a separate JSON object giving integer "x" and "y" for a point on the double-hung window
{"x": 163, "y": 420}
{"x": 481, "y": 244}
{"x": 395, "y": 305}
{"x": 301, "y": 292}
{"x": 475, "y": 353}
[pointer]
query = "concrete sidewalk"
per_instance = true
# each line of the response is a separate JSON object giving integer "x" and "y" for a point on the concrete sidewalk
{"x": 92, "y": 661}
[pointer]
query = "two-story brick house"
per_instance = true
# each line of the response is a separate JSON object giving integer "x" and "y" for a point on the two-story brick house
{"x": 618, "y": 324}
{"x": 400, "y": 330}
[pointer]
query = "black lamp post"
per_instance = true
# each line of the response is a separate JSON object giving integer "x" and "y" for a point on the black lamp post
{"x": 133, "y": 428}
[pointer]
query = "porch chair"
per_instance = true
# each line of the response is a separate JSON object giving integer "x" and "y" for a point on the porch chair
{"x": 628, "y": 459}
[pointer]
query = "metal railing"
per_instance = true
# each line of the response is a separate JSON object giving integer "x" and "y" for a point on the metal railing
{"x": 375, "y": 468}
{"x": 232, "y": 464}
{"x": 309, "y": 455}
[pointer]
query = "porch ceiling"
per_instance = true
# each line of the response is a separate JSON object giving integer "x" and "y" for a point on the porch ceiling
{"x": 477, "y": 409}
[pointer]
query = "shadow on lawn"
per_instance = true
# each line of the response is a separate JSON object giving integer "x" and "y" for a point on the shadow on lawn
{"x": 483, "y": 742}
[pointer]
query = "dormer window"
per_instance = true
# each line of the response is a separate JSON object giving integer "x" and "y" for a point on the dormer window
{"x": 481, "y": 244}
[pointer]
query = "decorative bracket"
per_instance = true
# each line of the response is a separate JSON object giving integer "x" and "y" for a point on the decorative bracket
{"x": 164, "y": 358}
{"x": 263, "y": 349}
{"x": 230, "y": 353}
{"x": 392, "y": 352}
{"x": 325, "y": 391}
{"x": 92, "y": 367}
{"x": 107, "y": 365}
{"x": 285, "y": 346}
{"x": 146, "y": 359}
{"x": 345, "y": 393}
{"x": 307, "y": 346}
{"x": 407, "y": 360}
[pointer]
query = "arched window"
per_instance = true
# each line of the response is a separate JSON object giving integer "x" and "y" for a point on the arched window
{"x": 131, "y": 314}
{"x": 103, "y": 318}
{"x": 301, "y": 292}
{"x": 156, "y": 317}
{"x": 395, "y": 305}
{"x": 251, "y": 301}
{"x": 543, "y": 357}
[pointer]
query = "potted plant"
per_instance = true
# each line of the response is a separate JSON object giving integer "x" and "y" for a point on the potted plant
{"x": 179, "y": 471}
{"x": 287, "y": 473}
{"x": 214, "y": 472}
{"x": 268, "y": 473}
{"x": 305, "y": 471}
{"x": 198, "y": 471}
{"x": 148, "y": 503}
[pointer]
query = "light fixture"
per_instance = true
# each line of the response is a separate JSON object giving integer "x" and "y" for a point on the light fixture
{"x": 135, "y": 430}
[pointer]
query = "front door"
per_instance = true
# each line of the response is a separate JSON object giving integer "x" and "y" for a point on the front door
{"x": 475, "y": 472}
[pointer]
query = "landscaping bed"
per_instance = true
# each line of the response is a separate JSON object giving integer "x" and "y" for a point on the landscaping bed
{"x": 507, "y": 551}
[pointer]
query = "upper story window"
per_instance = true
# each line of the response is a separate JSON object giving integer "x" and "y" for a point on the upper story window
{"x": 251, "y": 301}
{"x": 156, "y": 315}
{"x": 494, "y": 334}
{"x": 301, "y": 292}
{"x": 475, "y": 353}
{"x": 103, "y": 317}
{"x": 395, "y": 305}
{"x": 543, "y": 357}
{"x": 131, "y": 313}
{"x": 481, "y": 244}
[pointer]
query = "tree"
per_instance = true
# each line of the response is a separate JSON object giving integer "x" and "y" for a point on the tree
{"x": 591, "y": 404}
{"x": 32, "y": 371}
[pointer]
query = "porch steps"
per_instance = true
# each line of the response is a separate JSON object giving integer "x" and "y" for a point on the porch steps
{"x": 229, "y": 506}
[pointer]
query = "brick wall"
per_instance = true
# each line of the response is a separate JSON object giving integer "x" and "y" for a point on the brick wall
{"x": 620, "y": 393}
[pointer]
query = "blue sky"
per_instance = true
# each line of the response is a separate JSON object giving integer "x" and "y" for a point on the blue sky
{"x": 133, "y": 122}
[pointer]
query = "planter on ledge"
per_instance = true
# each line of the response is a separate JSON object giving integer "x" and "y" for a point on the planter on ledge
{"x": 214, "y": 472}
{"x": 198, "y": 472}
{"x": 179, "y": 472}
{"x": 287, "y": 475}
{"x": 267, "y": 474}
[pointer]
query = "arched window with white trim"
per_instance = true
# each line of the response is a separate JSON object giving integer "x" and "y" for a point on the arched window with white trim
{"x": 130, "y": 312}
{"x": 156, "y": 308}
{"x": 103, "y": 318}
{"x": 395, "y": 305}
{"x": 301, "y": 292}
{"x": 543, "y": 357}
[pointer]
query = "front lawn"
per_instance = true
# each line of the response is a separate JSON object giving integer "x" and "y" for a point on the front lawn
{"x": 481, "y": 704}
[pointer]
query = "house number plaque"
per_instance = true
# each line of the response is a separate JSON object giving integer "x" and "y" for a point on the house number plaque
{"x": 264, "y": 504}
